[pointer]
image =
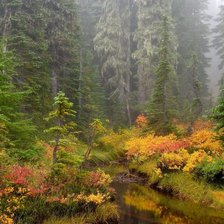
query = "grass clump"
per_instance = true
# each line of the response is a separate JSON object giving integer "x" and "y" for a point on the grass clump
{"x": 105, "y": 213}
{"x": 185, "y": 187}
{"x": 151, "y": 170}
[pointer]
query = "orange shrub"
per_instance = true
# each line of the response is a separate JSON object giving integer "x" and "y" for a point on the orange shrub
{"x": 141, "y": 121}
{"x": 151, "y": 144}
{"x": 200, "y": 125}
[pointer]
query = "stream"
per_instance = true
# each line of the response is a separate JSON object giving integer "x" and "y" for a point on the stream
{"x": 140, "y": 205}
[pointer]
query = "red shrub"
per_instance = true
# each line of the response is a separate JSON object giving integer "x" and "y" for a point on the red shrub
{"x": 173, "y": 146}
{"x": 19, "y": 175}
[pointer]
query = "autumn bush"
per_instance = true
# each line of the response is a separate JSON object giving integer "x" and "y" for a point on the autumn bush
{"x": 30, "y": 194}
{"x": 151, "y": 145}
{"x": 174, "y": 160}
{"x": 206, "y": 140}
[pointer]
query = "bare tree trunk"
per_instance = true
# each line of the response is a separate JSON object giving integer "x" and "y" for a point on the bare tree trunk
{"x": 128, "y": 79}
{"x": 54, "y": 82}
{"x": 6, "y": 26}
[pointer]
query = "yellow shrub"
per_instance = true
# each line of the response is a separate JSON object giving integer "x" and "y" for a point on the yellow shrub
{"x": 152, "y": 144}
{"x": 206, "y": 140}
{"x": 174, "y": 160}
{"x": 196, "y": 158}
{"x": 115, "y": 140}
{"x": 4, "y": 219}
{"x": 97, "y": 199}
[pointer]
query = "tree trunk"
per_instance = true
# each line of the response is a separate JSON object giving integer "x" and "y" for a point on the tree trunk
{"x": 56, "y": 149}
{"x": 87, "y": 154}
{"x": 7, "y": 24}
{"x": 80, "y": 84}
{"x": 57, "y": 140}
{"x": 128, "y": 79}
{"x": 54, "y": 82}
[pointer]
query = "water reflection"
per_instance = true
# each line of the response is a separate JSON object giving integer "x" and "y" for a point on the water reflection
{"x": 139, "y": 205}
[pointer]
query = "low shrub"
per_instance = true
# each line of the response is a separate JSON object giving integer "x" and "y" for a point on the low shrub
{"x": 211, "y": 171}
{"x": 174, "y": 160}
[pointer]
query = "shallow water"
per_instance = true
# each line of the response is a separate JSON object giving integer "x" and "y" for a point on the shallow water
{"x": 140, "y": 205}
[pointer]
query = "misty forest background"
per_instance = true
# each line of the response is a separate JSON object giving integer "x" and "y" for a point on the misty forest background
{"x": 95, "y": 91}
{"x": 113, "y": 59}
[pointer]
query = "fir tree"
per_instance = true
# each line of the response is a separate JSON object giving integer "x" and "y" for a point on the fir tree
{"x": 60, "y": 116}
{"x": 17, "y": 132}
{"x": 146, "y": 35}
{"x": 163, "y": 105}
{"x": 218, "y": 116}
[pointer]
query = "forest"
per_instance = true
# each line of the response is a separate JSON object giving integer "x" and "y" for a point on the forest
{"x": 107, "y": 114}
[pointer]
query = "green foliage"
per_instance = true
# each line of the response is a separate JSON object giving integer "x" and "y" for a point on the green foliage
{"x": 163, "y": 105}
{"x": 218, "y": 116}
{"x": 95, "y": 129}
{"x": 70, "y": 159}
{"x": 61, "y": 116}
{"x": 33, "y": 154}
{"x": 17, "y": 132}
{"x": 112, "y": 44}
{"x": 212, "y": 172}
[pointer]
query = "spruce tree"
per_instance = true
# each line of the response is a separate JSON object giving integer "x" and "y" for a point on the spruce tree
{"x": 218, "y": 116}
{"x": 163, "y": 105}
{"x": 24, "y": 25}
{"x": 91, "y": 98}
{"x": 17, "y": 132}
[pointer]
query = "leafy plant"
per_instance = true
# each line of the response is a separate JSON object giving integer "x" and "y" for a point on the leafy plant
{"x": 212, "y": 172}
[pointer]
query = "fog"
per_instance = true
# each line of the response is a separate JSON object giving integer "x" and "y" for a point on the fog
{"x": 213, "y": 71}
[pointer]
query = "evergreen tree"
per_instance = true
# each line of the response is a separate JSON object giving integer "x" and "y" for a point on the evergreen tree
{"x": 63, "y": 36}
{"x": 17, "y": 132}
{"x": 24, "y": 31}
{"x": 147, "y": 38}
{"x": 91, "y": 98}
{"x": 163, "y": 105}
{"x": 218, "y": 116}
{"x": 112, "y": 43}
{"x": 60, "y": 116}
{"x": 192, "y": 33}
{"x": 45, "y": 37}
